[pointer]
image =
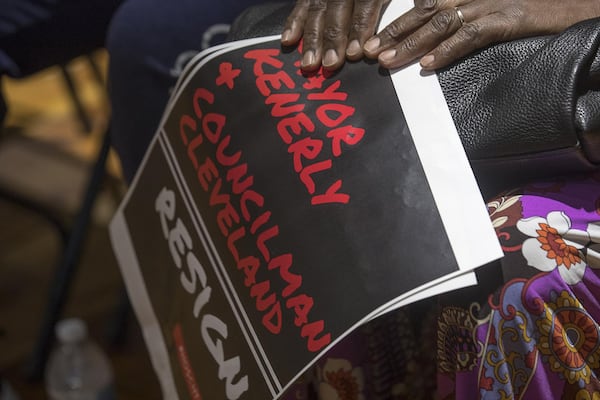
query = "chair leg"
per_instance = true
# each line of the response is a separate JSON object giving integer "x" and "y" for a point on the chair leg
{"x": 119, "y": 324}
{"x": 65, "y": 271}
{"x": 83, "y": 117}
{"x": 95, "y": 69}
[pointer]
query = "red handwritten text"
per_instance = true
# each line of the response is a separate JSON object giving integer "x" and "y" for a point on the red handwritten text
{"x": 298, "y": 130}
{"x": 242, "y": 215}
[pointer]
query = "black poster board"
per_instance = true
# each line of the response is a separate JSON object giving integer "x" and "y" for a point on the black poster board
{"x": 275, "y": 212}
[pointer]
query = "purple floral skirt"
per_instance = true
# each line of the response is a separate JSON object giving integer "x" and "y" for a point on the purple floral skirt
{"x": 529, "y": 330}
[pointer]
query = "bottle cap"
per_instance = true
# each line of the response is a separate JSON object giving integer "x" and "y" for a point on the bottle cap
{"x": 71, "y": 330}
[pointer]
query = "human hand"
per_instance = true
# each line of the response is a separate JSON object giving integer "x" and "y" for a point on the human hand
{"x": 440, "y": 32}
{"x": 331, "y": 30}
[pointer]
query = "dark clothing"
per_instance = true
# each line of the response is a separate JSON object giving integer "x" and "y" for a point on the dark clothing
{"x": 149, "y": 42}
{"x": 37, "y": 34}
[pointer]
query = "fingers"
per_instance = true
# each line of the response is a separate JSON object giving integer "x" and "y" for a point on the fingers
{"x": 331, "y": 30}
{"x": 441, "y": 26}
{"x": 294, "y": 25}
{"x": 432, "y": 31}
{"x": 335, "y": 34}
{"x": 305, "y": 23}
{"x": 404, "y": 25}
{"x": 364, "y": 22}
{"x": 470, "y": 37}
{"x": 446, "y": 38}
{"x": 312, "y": 39}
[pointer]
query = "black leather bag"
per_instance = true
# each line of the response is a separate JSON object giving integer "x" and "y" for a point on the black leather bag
{"x": 524, "y": 110}
{"x": 529, "y": 109}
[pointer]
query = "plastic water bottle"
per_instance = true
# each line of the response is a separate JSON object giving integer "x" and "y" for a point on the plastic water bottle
{"x": 77, "y": 368}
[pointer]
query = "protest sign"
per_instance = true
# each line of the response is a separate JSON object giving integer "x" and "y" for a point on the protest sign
{"x": 275, "y": 211}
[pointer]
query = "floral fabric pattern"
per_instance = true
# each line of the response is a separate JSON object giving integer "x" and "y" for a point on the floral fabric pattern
{"x": 532, "y": 333}
{"x": 338, "y": 380}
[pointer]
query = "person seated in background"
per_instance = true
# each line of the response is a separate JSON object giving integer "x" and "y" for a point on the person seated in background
{"x": 149, "y": 42}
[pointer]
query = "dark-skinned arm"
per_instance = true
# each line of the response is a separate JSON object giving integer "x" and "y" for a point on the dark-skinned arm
{"x": 435, "y": 32}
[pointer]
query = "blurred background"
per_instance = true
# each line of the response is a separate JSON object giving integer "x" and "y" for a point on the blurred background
{"x": 47, "y": 149}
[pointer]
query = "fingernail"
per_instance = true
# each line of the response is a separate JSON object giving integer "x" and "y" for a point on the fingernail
{"x": 372, "y": 44}
{"x": 427, "y": 60}
{"x": 308, "y": 58}
{"x": 353, "y": 48}
{"x": 285, "y": 36}
{"x": 388, "y": 55}
{"x": 330, "y": 58}
{"x": 427, "y": 4}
